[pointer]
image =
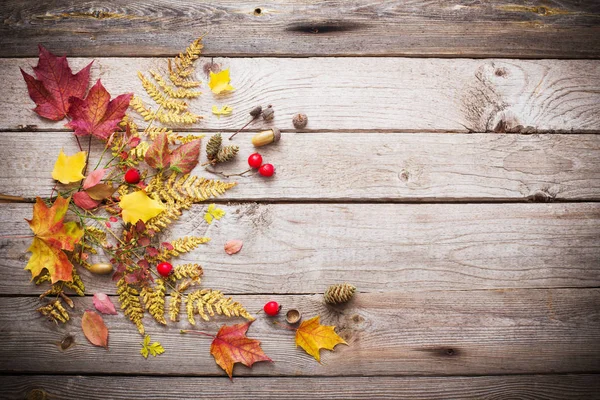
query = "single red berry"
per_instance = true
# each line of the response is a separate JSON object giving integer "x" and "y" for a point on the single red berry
{"x": 267, "y": 170}
{"x": 255, "y": 160}
{"x": 271, "y": 308}
{"x": 164, "y": 269}
{"x": 132, "y": 176}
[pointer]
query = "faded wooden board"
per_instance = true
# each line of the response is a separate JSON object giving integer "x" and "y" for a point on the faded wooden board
{"x": 305, "y": 28}
{"x": 364, "y": 93}
{"x": 419, "y": 333}
{"x": 558, "y": 387}
{"x": 397, "y": 167}
{"x": 303, "y": 248}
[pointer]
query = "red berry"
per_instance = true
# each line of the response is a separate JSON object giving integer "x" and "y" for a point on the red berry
{"x": 132, "y": 176}
{"x": 164, "y": 269}
{"x": 255, "y": 160}
{"x": 271, "y": 308}
{"x": 266, "y": 170}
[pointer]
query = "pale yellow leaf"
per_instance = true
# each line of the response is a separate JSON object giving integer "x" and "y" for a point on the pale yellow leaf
{"x": 138, "y": 206}
{"x": 225, "y": 110}
{"x": 213, "y": 213}
{"x": 69, "y": 169}
{"x": 219, "y": 82}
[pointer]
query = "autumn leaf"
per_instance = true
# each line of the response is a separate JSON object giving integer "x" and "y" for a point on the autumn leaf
{"x": 225, "y": 110}
{"x": 94, "y": 178}
{"x": 231, "y": 346}
{"x": 83, "y": 200}
{"x": 185, "y": 158}
{"x": 138, "y": 206}
{"x": 97, "y": 114}
{"x": 213, "y": 213}
{"x": 94, "y": 329}
{"x": 312, "y": 336}
{"x": 219, "y": 82}
{"x": 233, "y": 246}
{"x": 52, "y": 236}
{"x": 158, "y": 155}
{"x": 153, "y": 349}
{"x": 55, "y": 84}
{"x": 103, "y": 304}
{"x": 100, "y": 191}
{"x": 69, "y": 169}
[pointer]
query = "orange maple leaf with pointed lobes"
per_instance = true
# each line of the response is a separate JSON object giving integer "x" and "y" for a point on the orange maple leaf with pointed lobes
{"x": 52, "y": 236}
{"x": 97, "y": 114}
{"x": 231, "y": 345}
{"x": 55, "y": 84}
{"x": 312, "y": 336}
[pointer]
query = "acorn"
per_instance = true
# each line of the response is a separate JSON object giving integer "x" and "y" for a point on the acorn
{"x": 300, "y": 121}
{"x": 101, "y": 268}
{"x": 293, "y": 316}
{"x": 268, "y": 113}
{"x": 256, "y": 111}
{"x": 265, "y": 137}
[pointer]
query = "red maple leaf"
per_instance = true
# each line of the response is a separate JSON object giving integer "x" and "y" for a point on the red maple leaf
{"x": 55, "y": 84}
{"x": 231, "y": 345}
{"x": 97, "y": 115}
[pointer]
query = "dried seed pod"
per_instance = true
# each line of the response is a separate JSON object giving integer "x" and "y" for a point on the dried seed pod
{"x": 340, "y": 293}
{"x": 265, "y": 137}
{"x": 293, "y": 316}
{"x": 256, "y": 111}
{"x": 268, "y": 113}
{"x": 213, "y": 146}
{"x": 300, "y": 121}
{"x": 101, "y": 268}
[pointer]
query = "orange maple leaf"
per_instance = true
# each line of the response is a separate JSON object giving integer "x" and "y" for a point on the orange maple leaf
{"x": 231, "y": 345}
{"x": 312, "y": 336}
{"x": 52, "y": 236}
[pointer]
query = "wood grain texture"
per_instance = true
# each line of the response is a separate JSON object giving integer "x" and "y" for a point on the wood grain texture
{"x": 364, "y": 167}
{"x": 554, "y": 387}
{"x": 419, "y": 333}
{"x": 303, "y": 248}
{"x": 390, "y": 94}
{"x": 545, "y": 29}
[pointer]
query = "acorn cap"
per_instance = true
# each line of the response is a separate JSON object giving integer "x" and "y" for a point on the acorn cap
{"x": 293, "y": 316}
{"x": 276, "y": 135}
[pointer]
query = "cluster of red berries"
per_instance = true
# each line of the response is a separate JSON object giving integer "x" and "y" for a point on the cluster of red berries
{"x": 255, "y": 161}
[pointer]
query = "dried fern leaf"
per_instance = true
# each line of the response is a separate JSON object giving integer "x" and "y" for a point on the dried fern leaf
{"x": 77, "y": 284}
{"x": 55, "y": 311}
{"x": 181, "y": 245}
{"x": 160, "y": 98}
{"x": 174, "y": 92}
{"x": 175, "y": 300}
{"x": 154, "y": 300}
{"x": 129, "y": 298}
{"x": 208, "y": 303}
{"x": 192, "y": 271}
{"x": 137, "y": 104}
{"x": 174, "y": 117}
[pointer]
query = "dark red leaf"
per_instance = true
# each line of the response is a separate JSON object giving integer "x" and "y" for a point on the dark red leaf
{"x": 151, "y": 251}
{"x": 83, "y": 200}
{"x": 143, "y": 241}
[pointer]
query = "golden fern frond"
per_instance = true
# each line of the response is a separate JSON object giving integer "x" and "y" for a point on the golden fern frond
{"x": 138, "y": 153}
{"x": 77, "y": 284}
{"x": 129, "y": 298}
{"x": 200, "y": 189}
{"x": 181, "y": 245}
{"x": 185, "y": 60}
{"x": 176, "y": 93}
{"x": 128, "y": 122}
{"x": 138, "y": 105}
{"x": 192, "y": 271}
{"x": 154, "y": 300}
{"x": 207, "y": 303}
{"x": 181, "y": 81}
{"x": 43, "y": 277}
{"x": 160, "y": 98}
{"x": 175, "y": 305}
{"x": 55, "y": 311}
{"x": 174, "y": 117}
{"x": 96, "y": 234}
{"x": 189, "y": 138}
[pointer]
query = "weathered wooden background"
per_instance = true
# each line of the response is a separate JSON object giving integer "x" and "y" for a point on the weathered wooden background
{"x": 450, "y": 169}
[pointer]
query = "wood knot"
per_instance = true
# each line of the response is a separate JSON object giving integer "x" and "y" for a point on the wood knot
{"x": 67, "y": 342}
{"x": 404, "y": 175}
{"x": 257, "y": 11}
{"x": 500, "y": 71}
{"x": 357, "y": 318}
{"x": 541, "y": 197}
{"x": 37, "y": 394}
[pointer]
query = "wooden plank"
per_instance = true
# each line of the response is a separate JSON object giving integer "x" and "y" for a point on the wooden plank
{"x": 303, "y": 248}
{"x": 395, "y": 333}
{"x": 305, "y": 28}
{"x": 364, "y": 93}
{"x": 559, "y": 387}
{"x": 364, "y": 166}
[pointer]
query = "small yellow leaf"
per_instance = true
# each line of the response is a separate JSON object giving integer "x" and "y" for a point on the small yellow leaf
{"x": 219, "y": 82}
{"x": 213, "y": 213}
{"x": 69, "y": 169}
{"x": 312, "y": 336}
{"x": 138, "y": 205}
{"x": 225, "y": 110}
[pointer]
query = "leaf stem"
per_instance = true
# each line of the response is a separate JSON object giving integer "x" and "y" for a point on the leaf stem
{"x": 196, "y": 332}
{"x": 242, "y": 128}
{"x": 227, "y": 175}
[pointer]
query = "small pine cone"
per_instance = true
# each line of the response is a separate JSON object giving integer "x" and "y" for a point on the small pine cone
{"x": 213, "y": 146}
{"x": 226, "y": 153}
{"x": 340, "y": 293}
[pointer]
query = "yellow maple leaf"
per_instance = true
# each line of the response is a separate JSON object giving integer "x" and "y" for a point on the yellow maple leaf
{"x": 138, "y": 206}
{"x": 69, "y": 169}
{"x": 312, "y": 336}
{"x": 225, "y": 110}
{"x": 213, "y": 213}
{"x": 219, "y": 82}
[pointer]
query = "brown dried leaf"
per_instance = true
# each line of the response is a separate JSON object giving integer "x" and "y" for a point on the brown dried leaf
{"x": 94, "y": 329}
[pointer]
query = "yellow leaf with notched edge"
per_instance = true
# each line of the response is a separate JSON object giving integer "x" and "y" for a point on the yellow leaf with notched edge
{"x": 225, "y": 110}
{"x": 312, "y": 336}
{"x": 69, "y": 169}
{"x": 219, "y": 82}
{"x": 138, "y": 206}
{"x": 213, "y": 213}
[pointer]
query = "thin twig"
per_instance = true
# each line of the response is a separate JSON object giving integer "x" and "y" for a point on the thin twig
{"x": 242, "y": 128}
{"x": 227, "y": 175}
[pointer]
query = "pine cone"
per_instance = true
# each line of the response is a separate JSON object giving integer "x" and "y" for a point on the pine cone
{"x": 213, "y": 146}
{"x": 226, "y": 153}
{"x": 340, "y": 293}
